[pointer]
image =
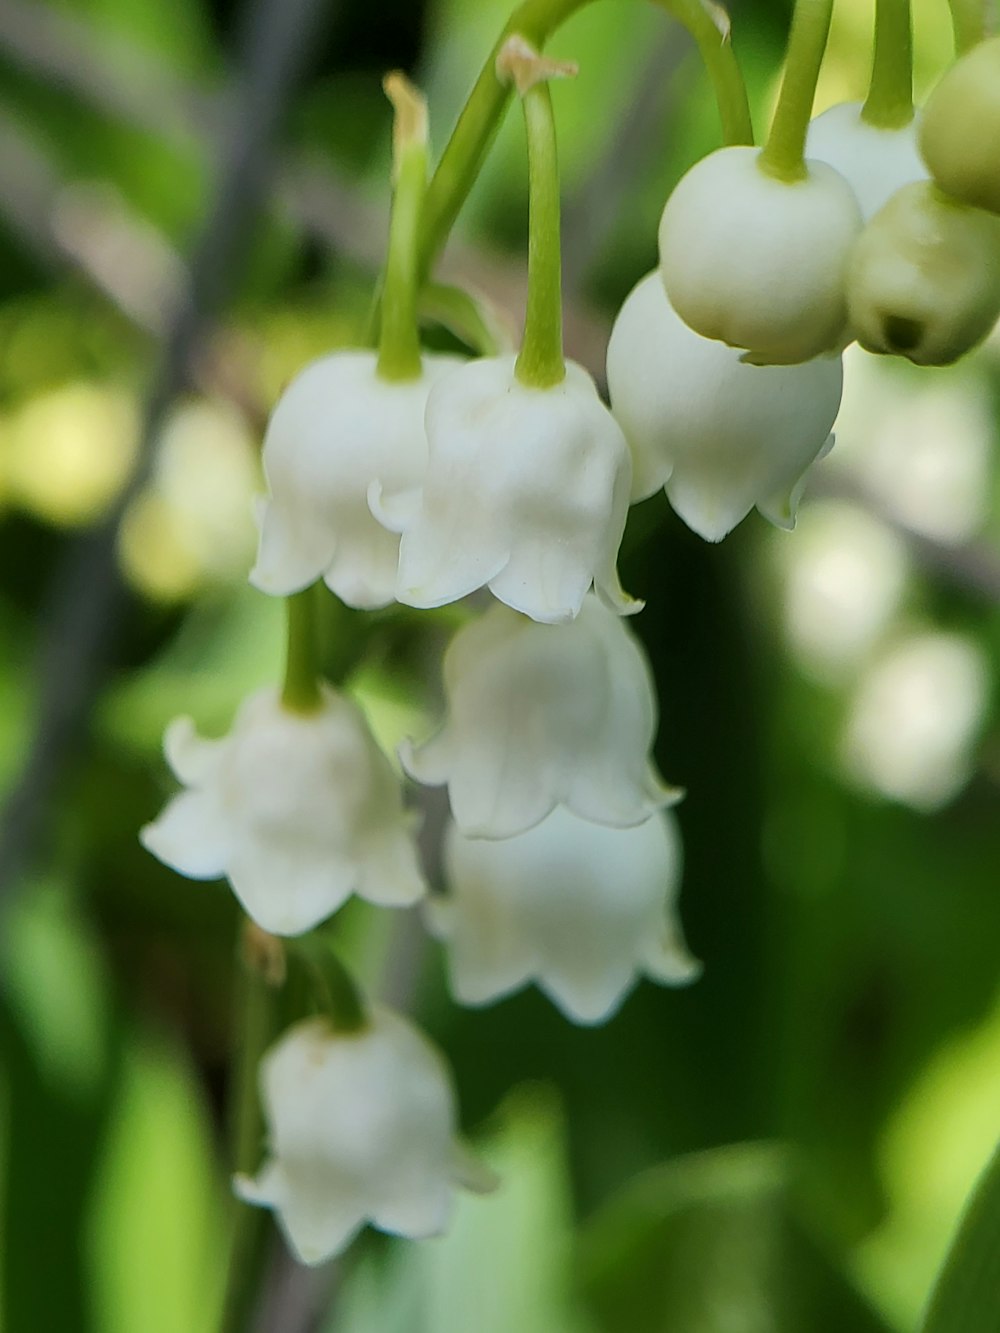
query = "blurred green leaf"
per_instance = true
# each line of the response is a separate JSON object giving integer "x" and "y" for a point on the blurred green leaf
{"x": 710, "y": 1243}
{"x": 966, "y": 1298}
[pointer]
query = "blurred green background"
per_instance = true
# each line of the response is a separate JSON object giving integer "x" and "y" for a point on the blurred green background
{"x": 785, "y": 1147}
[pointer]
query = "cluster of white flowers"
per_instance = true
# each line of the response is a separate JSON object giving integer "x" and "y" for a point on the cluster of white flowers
{"x": 561, "y": 858}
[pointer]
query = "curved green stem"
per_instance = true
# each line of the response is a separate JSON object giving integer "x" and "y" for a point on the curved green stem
{"x": 333, "y": 986}
{"x": 301, "y": 692}
{"x": 536, "y": 20}
{"x": 540, "y": 363}
{"x": 889, "y": 104}
{"x": 968, "y": 22}
{"x": 783, "y": 156}
{"x": 399, "y": 338}
{"x": 720, "y": 61}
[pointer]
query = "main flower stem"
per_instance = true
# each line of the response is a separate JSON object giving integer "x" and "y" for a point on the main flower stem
{"x": 783, "y": 156}
{"x": 968, "y": 22}
{"x": 889, "y": 104}
{"x": 254, "y": 1009}
{"x": 301, "y": 692}
{"x": 399, "y": 338}
{"x": 536, "y": 21}
{"x": 540, "y": 363}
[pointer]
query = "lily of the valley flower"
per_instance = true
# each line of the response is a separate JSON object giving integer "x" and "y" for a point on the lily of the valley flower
{"x": 875, "y": 161}
{"x": 298, "y": 810}
{"x": 961, "y": 127}
{"x": 924, "y": 279}
{"x": 544, "y": 715}
{"x": 758, "y": 262}
{"x": 581, "y": 909}
{"x": 361, "y": 1128}
{"x": 338, "y": 429}
{"x": 720, "y": 435}
{"x": 526, "y": 492}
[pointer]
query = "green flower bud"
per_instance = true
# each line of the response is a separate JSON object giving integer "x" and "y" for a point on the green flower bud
{"x": 960, "y": 130}
{"x": 924, "y": 277}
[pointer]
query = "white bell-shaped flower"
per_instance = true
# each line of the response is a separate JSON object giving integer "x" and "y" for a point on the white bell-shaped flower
{"x": 298, "y": 810}
{"x": 758, "y": 262}
{"x": 526, "y": 493}
{"x": 581, "y": 909}
{"x": 720, "y": 435}
{"x": 361, "y": 1128}
{"x": 337, "y": 429}
{"x": 544, "y": 715}
{"x": 875, "y": 162}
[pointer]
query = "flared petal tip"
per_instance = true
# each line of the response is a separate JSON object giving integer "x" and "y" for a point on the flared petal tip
{"x": 395, "y": 513}
{"x": 614, "y": 596}
{"x": 428, "y": 762}
{"x": 671, "y": 963}
{"x": 587, "y": 1006}
{"x": 269, "y": 577}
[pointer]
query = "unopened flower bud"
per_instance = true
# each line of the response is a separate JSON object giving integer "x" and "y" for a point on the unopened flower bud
{"x": 757, "y": 262}
{"x": 875, "y": 161}
{"x": 924, "y": 279}
{"x": 960, "y": 130}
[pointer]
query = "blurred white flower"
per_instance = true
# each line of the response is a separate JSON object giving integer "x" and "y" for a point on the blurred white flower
{"x": 845, "y": 576}
{"x": 720, "y": 435}
{"x": 579, "y": 908}
{"x": 336, "y": 430}
{"x": 526, "y": 492}
{"x": 544, "y": 715}
{"x": 915, "y": 718}
{"x": 876, "y": 162}
{"x": 757, "y": 262}
{"x": 298, "y": 810}
{"x": 361, "y": 1128}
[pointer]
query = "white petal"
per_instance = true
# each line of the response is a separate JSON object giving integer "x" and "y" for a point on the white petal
{"x": 294, "y": 549}
{"x": 391, "y": 874}
{"x": 580, "y": 908}
{"x": 519, "y": 493}
{"x": 417, "y": 1215}
{"x": 285, "y": 890}
{"x": 191, "y": 835}
{"x": 725, "y": 435}
{"x": 192, "y": 759}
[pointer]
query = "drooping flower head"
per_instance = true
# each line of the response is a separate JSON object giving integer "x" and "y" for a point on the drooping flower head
{"x": 339, "y": 428}
{"x": 361, "y": 1128}
{"x": 581, "y": 909}
{"x": 874, "y": 160}
{"x": 960, "y": 128}
{"x": 298, "y": 810}
{"x": 544, "y": 715}
{"x": 758, "y": 262}
{"x": 526, "y": 493}
{"x": 719, "y": 434}
{"x": 924, "y": 278}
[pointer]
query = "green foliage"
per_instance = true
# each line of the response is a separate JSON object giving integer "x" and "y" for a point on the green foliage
{"x": 966, "y": 1297}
